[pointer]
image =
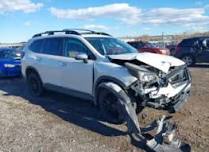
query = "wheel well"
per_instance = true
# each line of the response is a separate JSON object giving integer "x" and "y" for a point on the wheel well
{"x": 30, "y": 70}
{"x": 97, "y": 90}
{"x": 189, "y": 54}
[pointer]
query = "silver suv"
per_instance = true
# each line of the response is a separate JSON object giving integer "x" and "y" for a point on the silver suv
{"x": 100, "y": 68}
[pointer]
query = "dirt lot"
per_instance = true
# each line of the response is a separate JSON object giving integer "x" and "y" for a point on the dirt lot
{"x": 61, "y": 123}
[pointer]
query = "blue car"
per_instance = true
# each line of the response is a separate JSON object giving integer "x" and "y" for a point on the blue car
{"x": 10, "y": 62}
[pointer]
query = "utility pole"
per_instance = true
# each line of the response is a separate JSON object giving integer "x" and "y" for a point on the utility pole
{"x": 163, "y": 39}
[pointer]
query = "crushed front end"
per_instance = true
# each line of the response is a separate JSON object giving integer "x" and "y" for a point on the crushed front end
{"x": 160, "y": 90}
{"x": 163, "y": 82}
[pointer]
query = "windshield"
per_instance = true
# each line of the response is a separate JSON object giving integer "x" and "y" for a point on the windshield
{"x": 110, "y": 46}
{"x": 9, "y": 54}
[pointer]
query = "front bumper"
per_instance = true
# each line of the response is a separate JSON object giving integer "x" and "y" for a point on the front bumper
{"x": 171, "y": 98}
{"x": 11, "y": 72}
{"x": 180, "y": 99}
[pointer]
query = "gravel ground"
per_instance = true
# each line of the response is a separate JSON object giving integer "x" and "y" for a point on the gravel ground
{"x": 62, "y": 123}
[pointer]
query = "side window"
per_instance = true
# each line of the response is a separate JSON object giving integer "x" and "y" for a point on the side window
{"x": 53, "y": 46}
{"x": 36, "y": 46}
{"x": 205, "y": 44}
{"x": 74, "y": 47}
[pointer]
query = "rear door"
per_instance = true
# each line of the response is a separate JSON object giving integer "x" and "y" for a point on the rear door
{"x": 48, "y": 60}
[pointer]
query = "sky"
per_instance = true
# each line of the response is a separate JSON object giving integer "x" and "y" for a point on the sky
{"x": 21, "y": 19}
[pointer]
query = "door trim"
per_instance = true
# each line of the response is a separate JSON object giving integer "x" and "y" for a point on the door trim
{"x": 68, "y": 91}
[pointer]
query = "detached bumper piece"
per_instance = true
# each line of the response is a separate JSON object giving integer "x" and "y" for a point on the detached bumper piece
{"x": 159, "y": 136}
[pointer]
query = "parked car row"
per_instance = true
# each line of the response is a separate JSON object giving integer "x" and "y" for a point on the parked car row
{"x": 191, "y": 50}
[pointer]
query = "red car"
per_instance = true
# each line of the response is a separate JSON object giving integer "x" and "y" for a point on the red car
{"x": 148, "y": 47}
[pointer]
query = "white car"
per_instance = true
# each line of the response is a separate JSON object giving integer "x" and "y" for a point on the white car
{"x": 98, "y": 67}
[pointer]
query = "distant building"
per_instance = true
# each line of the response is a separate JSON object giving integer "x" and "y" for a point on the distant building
{"x": 12, "y": 45}
{"x": 128, "y": 39}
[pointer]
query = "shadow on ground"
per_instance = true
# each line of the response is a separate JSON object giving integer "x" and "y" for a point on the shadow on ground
{"x": 200, "y": 66}
{"x": 74, "y": 110}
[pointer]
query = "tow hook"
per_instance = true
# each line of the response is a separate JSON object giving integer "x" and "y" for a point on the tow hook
{"x": 159, "y": 136}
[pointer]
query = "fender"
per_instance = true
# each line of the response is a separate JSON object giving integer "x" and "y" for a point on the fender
{"x": 30, "y": 68}
{"x": 125, "y": 105}
{"x": 107, "y": 79}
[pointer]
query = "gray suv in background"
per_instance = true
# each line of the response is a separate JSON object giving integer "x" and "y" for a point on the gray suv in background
{"x": 193, "y": 50}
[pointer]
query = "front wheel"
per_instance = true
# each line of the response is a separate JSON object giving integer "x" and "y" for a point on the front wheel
{"x": 109, "y": 106}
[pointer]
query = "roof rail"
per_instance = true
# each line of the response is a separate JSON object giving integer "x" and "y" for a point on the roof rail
{"x": 53, "y": 32}
{"x": 70, "y": 31}
{"x": 86, "y": 31}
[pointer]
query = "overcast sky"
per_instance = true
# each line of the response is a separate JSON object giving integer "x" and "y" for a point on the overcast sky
{"x": 20, "y": 19}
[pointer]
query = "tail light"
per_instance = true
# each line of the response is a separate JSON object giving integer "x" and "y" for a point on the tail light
{"x": 177, "y": 50}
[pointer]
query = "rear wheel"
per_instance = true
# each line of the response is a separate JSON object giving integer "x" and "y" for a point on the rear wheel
{"x": 108, "y": 103}
{"x": 35, "y": 84}
{"x": 188, "y": 59}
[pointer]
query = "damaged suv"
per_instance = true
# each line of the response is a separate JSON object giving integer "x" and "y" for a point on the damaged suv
{"x": 97, "y": 67}
{"x": 119, "y": 80}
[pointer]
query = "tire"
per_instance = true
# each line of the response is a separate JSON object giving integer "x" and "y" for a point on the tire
{"x": 188, "y": 59}
{"x": 35, "y": 84}
{"x": 108, "y": 105}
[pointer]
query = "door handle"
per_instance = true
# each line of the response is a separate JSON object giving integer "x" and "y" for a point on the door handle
{"x": 63, "y": 64}
{"x": 38, "y": 59}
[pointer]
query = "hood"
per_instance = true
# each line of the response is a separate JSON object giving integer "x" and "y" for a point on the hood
{"x": 161, "y": 62}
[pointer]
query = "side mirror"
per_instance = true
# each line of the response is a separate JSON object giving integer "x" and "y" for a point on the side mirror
{"x": 83, "y": 57}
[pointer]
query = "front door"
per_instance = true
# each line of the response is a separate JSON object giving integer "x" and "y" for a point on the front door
{"x": 77, "y": 75}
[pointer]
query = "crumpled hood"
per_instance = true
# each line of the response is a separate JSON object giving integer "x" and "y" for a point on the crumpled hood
{"x": 161, "y": 62}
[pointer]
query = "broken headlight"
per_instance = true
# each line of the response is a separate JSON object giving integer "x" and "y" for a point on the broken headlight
{"x": 142, "y": 73}
{"x": 147, "y": 76}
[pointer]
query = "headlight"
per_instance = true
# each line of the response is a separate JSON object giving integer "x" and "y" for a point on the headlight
{"x": 164, "y": 51}
{"x": 9, "y": 65}
{"x": 147, "y": 77}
